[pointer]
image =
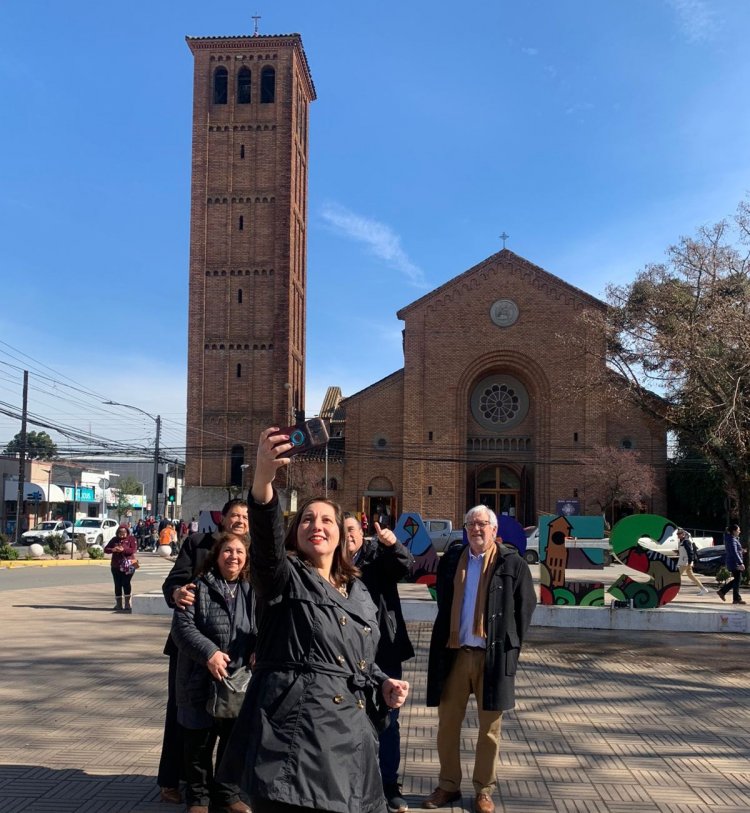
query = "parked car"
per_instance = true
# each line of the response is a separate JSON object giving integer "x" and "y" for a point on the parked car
{"x": 96, "y": 530}
{"x": 442, "y": 533}
{"x": 669, "y": 546}
{"x": 44, "y": 530}
{"x": 708, "y": 560}
{"x": 532, "y": 544}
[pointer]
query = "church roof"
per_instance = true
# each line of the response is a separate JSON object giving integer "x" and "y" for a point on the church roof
{"x": 505, "y": 257}
{"x": 376, "y": 384}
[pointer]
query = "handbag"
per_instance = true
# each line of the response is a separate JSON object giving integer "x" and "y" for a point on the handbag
{"x": 228, "y": 694}
{"x": 129, "y": 565}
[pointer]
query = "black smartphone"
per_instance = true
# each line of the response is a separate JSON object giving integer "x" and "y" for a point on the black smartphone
{"x": 305, "y": 436}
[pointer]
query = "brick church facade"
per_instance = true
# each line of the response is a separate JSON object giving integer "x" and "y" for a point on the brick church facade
{"x": 482, "y": 410}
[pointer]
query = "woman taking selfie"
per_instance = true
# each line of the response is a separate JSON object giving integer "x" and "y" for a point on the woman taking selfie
{"x": 305, "y": 739}
{"x": 215, "y": 637}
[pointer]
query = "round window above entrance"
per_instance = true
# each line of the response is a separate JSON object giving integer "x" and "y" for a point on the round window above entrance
{"x": 499, "y": 402}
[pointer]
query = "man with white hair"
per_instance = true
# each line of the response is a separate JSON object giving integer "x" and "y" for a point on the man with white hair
{"x": 485, "y": 598}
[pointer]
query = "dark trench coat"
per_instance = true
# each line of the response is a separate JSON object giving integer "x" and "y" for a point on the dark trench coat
{"x": 304, "y": 736}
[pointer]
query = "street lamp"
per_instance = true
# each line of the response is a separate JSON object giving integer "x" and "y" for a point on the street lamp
{"x": 155, "y": 489}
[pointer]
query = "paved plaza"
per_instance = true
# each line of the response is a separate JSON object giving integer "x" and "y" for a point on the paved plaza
{"x": 606, "y": 722}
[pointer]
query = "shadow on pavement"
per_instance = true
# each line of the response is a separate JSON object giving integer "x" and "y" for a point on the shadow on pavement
{"x": 35, "y": 789}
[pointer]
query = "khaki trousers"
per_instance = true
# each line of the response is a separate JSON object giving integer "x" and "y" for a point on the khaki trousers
{"x": 687, "y": 570}
{"x": 466, "y": 677}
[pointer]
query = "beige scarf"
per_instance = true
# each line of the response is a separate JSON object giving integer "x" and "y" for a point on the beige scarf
{"x": 459, "y": 586}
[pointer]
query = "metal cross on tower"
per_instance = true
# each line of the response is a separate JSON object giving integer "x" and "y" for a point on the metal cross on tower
{"x": 504, "y": 237}
{"x": 255, "y": 18}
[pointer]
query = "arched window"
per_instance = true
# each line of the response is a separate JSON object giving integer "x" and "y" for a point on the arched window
{"x": 221, "y": 82}
{"x": 237, "y": 460}
{"x": 267, "y": 85}
{"x": 243, "y": 86}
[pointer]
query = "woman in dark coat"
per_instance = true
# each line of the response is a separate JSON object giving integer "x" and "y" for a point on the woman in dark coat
{"x": 215, "y": 637}
{"x": 305, "y": 739}
{"x": 123, "y": 549}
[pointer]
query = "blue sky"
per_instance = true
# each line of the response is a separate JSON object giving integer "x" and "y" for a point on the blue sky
{"x": 593, "y": 133}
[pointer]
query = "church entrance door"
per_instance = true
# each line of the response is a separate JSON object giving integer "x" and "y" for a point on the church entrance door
{"x": 499, "y": 488}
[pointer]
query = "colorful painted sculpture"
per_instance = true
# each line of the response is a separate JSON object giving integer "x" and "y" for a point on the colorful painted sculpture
{"x": 570, "y": 543}
{"x": 664, "y": 577}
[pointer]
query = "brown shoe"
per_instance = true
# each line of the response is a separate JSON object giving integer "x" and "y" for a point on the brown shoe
{"x": 483, "y": 803}
{"x": 198, "y": 809}
{"x": 170, "y": 795}
{"x": 441, "y": 798}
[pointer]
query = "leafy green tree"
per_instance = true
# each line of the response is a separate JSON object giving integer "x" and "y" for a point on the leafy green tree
{"x": 39, "y": 445}
{"x": 681, "y": 329}
{"x": 129, "y": 485}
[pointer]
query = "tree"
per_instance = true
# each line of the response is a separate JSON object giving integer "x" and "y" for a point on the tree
{"x": 39, "y": 445}
{"x": 681, "y": 328}
{"x": 617, "y": 478}
{"x": 123, "y": 504}
{"x": 129, "y": 485}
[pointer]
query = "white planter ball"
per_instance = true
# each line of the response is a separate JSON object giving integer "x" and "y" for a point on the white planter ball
{"x": 96, "y": 547}
{"x": 36, "y": 551}
{"x": 165, "y": 551}
{"x": 68, "y": 547}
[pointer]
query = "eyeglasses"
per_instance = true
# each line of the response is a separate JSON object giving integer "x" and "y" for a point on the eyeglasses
{"x": 476, "y": 524}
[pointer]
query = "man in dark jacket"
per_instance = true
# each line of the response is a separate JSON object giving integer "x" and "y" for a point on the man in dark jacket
{"x": 485, "y": 598}
{"x": 384, "y": 562}
{"x": 178, "y": 590}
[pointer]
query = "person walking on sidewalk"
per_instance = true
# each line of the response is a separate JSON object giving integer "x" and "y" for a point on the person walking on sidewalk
{"x": 384, "y": 562}
{"x": 735, "y": 565}
{"x": 485, "y": 598}
{"x": 686, "y": 558}
{"x": 123, "y": 548}
{"x": 179, "y": 592}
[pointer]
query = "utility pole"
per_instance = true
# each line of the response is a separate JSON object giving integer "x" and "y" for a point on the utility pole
{"x": 155, "y": 490}
{"x": 22, "y": 457}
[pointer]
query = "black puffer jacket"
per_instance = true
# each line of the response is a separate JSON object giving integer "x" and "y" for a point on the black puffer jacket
{"x": 207, "y": 627}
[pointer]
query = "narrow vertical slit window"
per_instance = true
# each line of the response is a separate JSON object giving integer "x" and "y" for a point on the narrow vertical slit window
{"x": 239, "y": 371}
{"x": 239, "y": 296}
{"x": 241, "y": 224}
{"x": 242, "y": 150}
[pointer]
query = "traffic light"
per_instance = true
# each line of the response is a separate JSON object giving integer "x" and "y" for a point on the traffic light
{"x": 172, "y": 495}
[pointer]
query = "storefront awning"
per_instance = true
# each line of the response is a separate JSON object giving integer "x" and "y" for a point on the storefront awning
{"x": 34, "y": 492}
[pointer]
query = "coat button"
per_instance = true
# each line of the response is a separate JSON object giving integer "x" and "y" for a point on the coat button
{"x": 339, "y": 698}
{"x": 360, "y": 704}
{"x": 342, "y": 620}
{"x": 340, "y": 658}
{"x": 366, "y": 630}
{"x": 362, "y": 664}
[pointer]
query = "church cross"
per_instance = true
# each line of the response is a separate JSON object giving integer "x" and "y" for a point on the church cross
{"x": 504, "y": 237}
{"x": 255, "y": 18}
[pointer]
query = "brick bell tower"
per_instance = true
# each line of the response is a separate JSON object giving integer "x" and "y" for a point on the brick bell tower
{"x": 248, "y": 225}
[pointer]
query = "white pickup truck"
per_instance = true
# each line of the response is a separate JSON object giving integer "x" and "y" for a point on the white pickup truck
{"x": 442, "y": 533}
{"x": 669, "y": 546}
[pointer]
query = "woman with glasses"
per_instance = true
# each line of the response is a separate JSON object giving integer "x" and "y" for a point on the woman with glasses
{"x": 122, "y": 547}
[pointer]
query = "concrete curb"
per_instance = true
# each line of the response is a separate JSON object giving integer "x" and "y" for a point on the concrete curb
{"x": 11, "y": 563}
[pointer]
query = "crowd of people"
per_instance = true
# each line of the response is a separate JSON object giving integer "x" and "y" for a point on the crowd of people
{"x": 286, "y": 653}
{"x": 305, "y": 624}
